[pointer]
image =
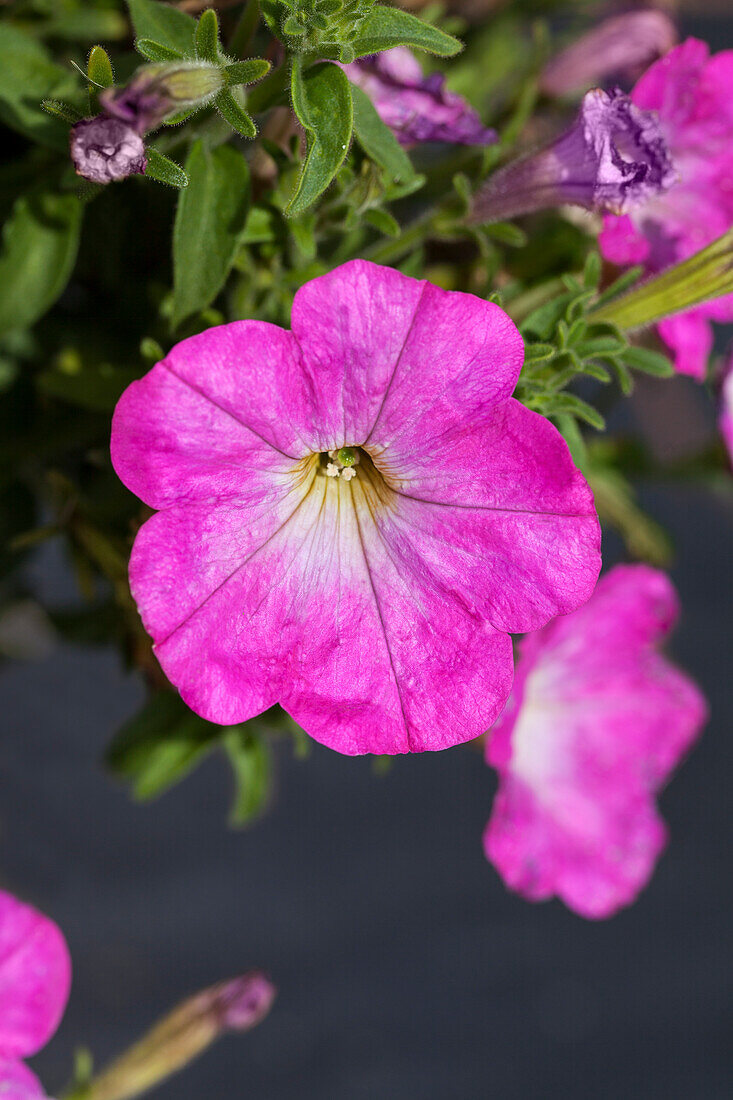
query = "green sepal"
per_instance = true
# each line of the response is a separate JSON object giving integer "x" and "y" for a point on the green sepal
{"x": 384, "y": 28}
{"x": 99, "y": 68}
{"x": 247, "y": 72}
{"x": 322, "y": 101}
{"x": 233, "y": 113}
{"x": 207, "y": 36}
{"x": 63, "y": 111}
{"x": 164, "y": 170}
{"x": 155, "y": 51}
{"x": 163, "y": 23}
{"x": 377, "y": 140}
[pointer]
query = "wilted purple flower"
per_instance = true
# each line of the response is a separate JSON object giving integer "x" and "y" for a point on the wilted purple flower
{"x": 623, "y": 46}
{"x": 613, "y": 158}
{"x": 104, "y": 149}
{"x": 417, "y": 108}
{"x": 158, "y": 91}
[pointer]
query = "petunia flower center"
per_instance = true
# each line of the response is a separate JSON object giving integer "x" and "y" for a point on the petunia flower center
{"x": 341, "y": 462}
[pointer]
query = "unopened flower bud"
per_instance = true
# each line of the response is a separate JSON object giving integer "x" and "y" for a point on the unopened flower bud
{"x": 621, "y": 47}
{"x": 104, "y": 149}
{"x": 235, "y": 1005}
{"x": 613, "y": 159}
{"x": 157, "y": 92}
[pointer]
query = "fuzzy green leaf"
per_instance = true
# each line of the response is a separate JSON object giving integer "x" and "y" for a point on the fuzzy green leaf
{"x": 648, "y": 361}
{"x": 207, "y": 36}
{"x": 322, "y": 101}
{"x": 160, "y": 745}
{"x": 384, "y": 28}
{"x": 246, "y": 72}
{"x": 27, "y": 76}
{"x": 63, "y": 111}
{"x": 233, "y": 113}
{"x": 211, "y": 215}
{"x": 40, "y": 243}
{"x": 377, "y": 140}
{"x": 99, "y": 67}
{"x": 164, "y": 24}
{"x": 164, "y": 170}
{"x": 251, "y": 765}
{"x": 155, "y": 51}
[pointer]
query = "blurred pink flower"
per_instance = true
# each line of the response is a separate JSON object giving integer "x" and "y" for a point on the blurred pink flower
{"x": 352, "y": 515}
{"x": 35, "y": 978}
{"x": 418, "y": 108}
{"x": 596, "y": 722}
{"x": 622, "y": 46}
{"x": 692, "y": 93}
{"x": 726, "y": 407}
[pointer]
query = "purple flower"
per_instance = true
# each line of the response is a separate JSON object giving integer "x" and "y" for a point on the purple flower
{"x": 596, "y": 722}
{"x": 692, "y": 94}
{"x": 104, "y": 149}
{"x": 416, "y": 107}
{"x": 243, "y": 1002}
{"x": 622, "y": 46}
{"x": 35, "y": 977}
{"x": 613, "y": 158}
{"x": 352, "y": 515}
{"x": 158, "y": 91}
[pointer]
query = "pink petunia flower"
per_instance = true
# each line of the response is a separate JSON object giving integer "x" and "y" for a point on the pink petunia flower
{"x": 596, "y": 722}
{"x": 418, "y": 108}
{"x": 725, "y": 418}
{"x": 352, "y": 515}
{"x": 35, "y": 977}
{"x": 692, "y": 94}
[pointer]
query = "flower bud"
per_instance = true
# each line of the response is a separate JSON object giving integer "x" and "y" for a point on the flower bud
{"x": 104, "y": 149}
{"x": 613, "y": 159}
{"x": 235, "y": 1005}
{"x": 622, "y": 47}
{"x": 157, "y": 92}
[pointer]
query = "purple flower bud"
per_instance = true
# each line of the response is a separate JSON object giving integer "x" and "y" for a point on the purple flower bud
{"x": 243, "y": 1002}
{"x": 613, "y": 159}
{"x": 622, "y": 48}
{"x": 417, "y": 108}
{"x": 158, "y": 91}
{"x": 104, "y": 149}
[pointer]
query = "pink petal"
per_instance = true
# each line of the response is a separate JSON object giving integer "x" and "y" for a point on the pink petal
{"x": 621, "y": 242}
{"x": 35, "y": 978}
{"x": 690, "y": 337}
{"x": 596, "y": 723}
{"x": 18, "y": 1083}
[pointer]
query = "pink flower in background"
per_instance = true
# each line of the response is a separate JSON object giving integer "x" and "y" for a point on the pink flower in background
{"x": 726, "y": 408}
{"x": 622, "y": 46}
{"x": 692, "y": 93}
{"x": 35, "y": 977}
{"x": 596, "y": 722}
{"x": 418, "y": 108}
{"x": 353, "y": 515}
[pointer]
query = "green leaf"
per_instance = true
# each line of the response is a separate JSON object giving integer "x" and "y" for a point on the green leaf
{"x": 164, "y": 170}
{"x": 383, "y": 221}
{"x": 251, "y": 764}
{"x": 211, "y": 216}
{"x": 506, "y": 233}
{"x": 97, "y": 387}
{"x": 648, "y": 361}
{"x": 207, "y": 36}
{"x": 160, "y": 745}
{"x": 27, "y": 76}
{"x": 377, "y": 140}
{"x": 384, "y": 28}
{"x": 322, "y": 101}
{"x": 164, "y": 24}
{"x": 246, "y": 72}
{"x": 99, "y": 67}
{"x": 40, "y": 243}
{"x": 233, "y": 113}
{"x": 154, "y": 51}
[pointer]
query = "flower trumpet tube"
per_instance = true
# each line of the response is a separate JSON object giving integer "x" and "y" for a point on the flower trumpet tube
{"x": 158, "y": 91}
{"x": 704, "y": 277}
{"x": 236, "y": 1005}
{"x": 612, "y": 158}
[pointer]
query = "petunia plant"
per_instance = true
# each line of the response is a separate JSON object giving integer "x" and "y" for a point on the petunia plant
{"x": 330, "y": 427}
